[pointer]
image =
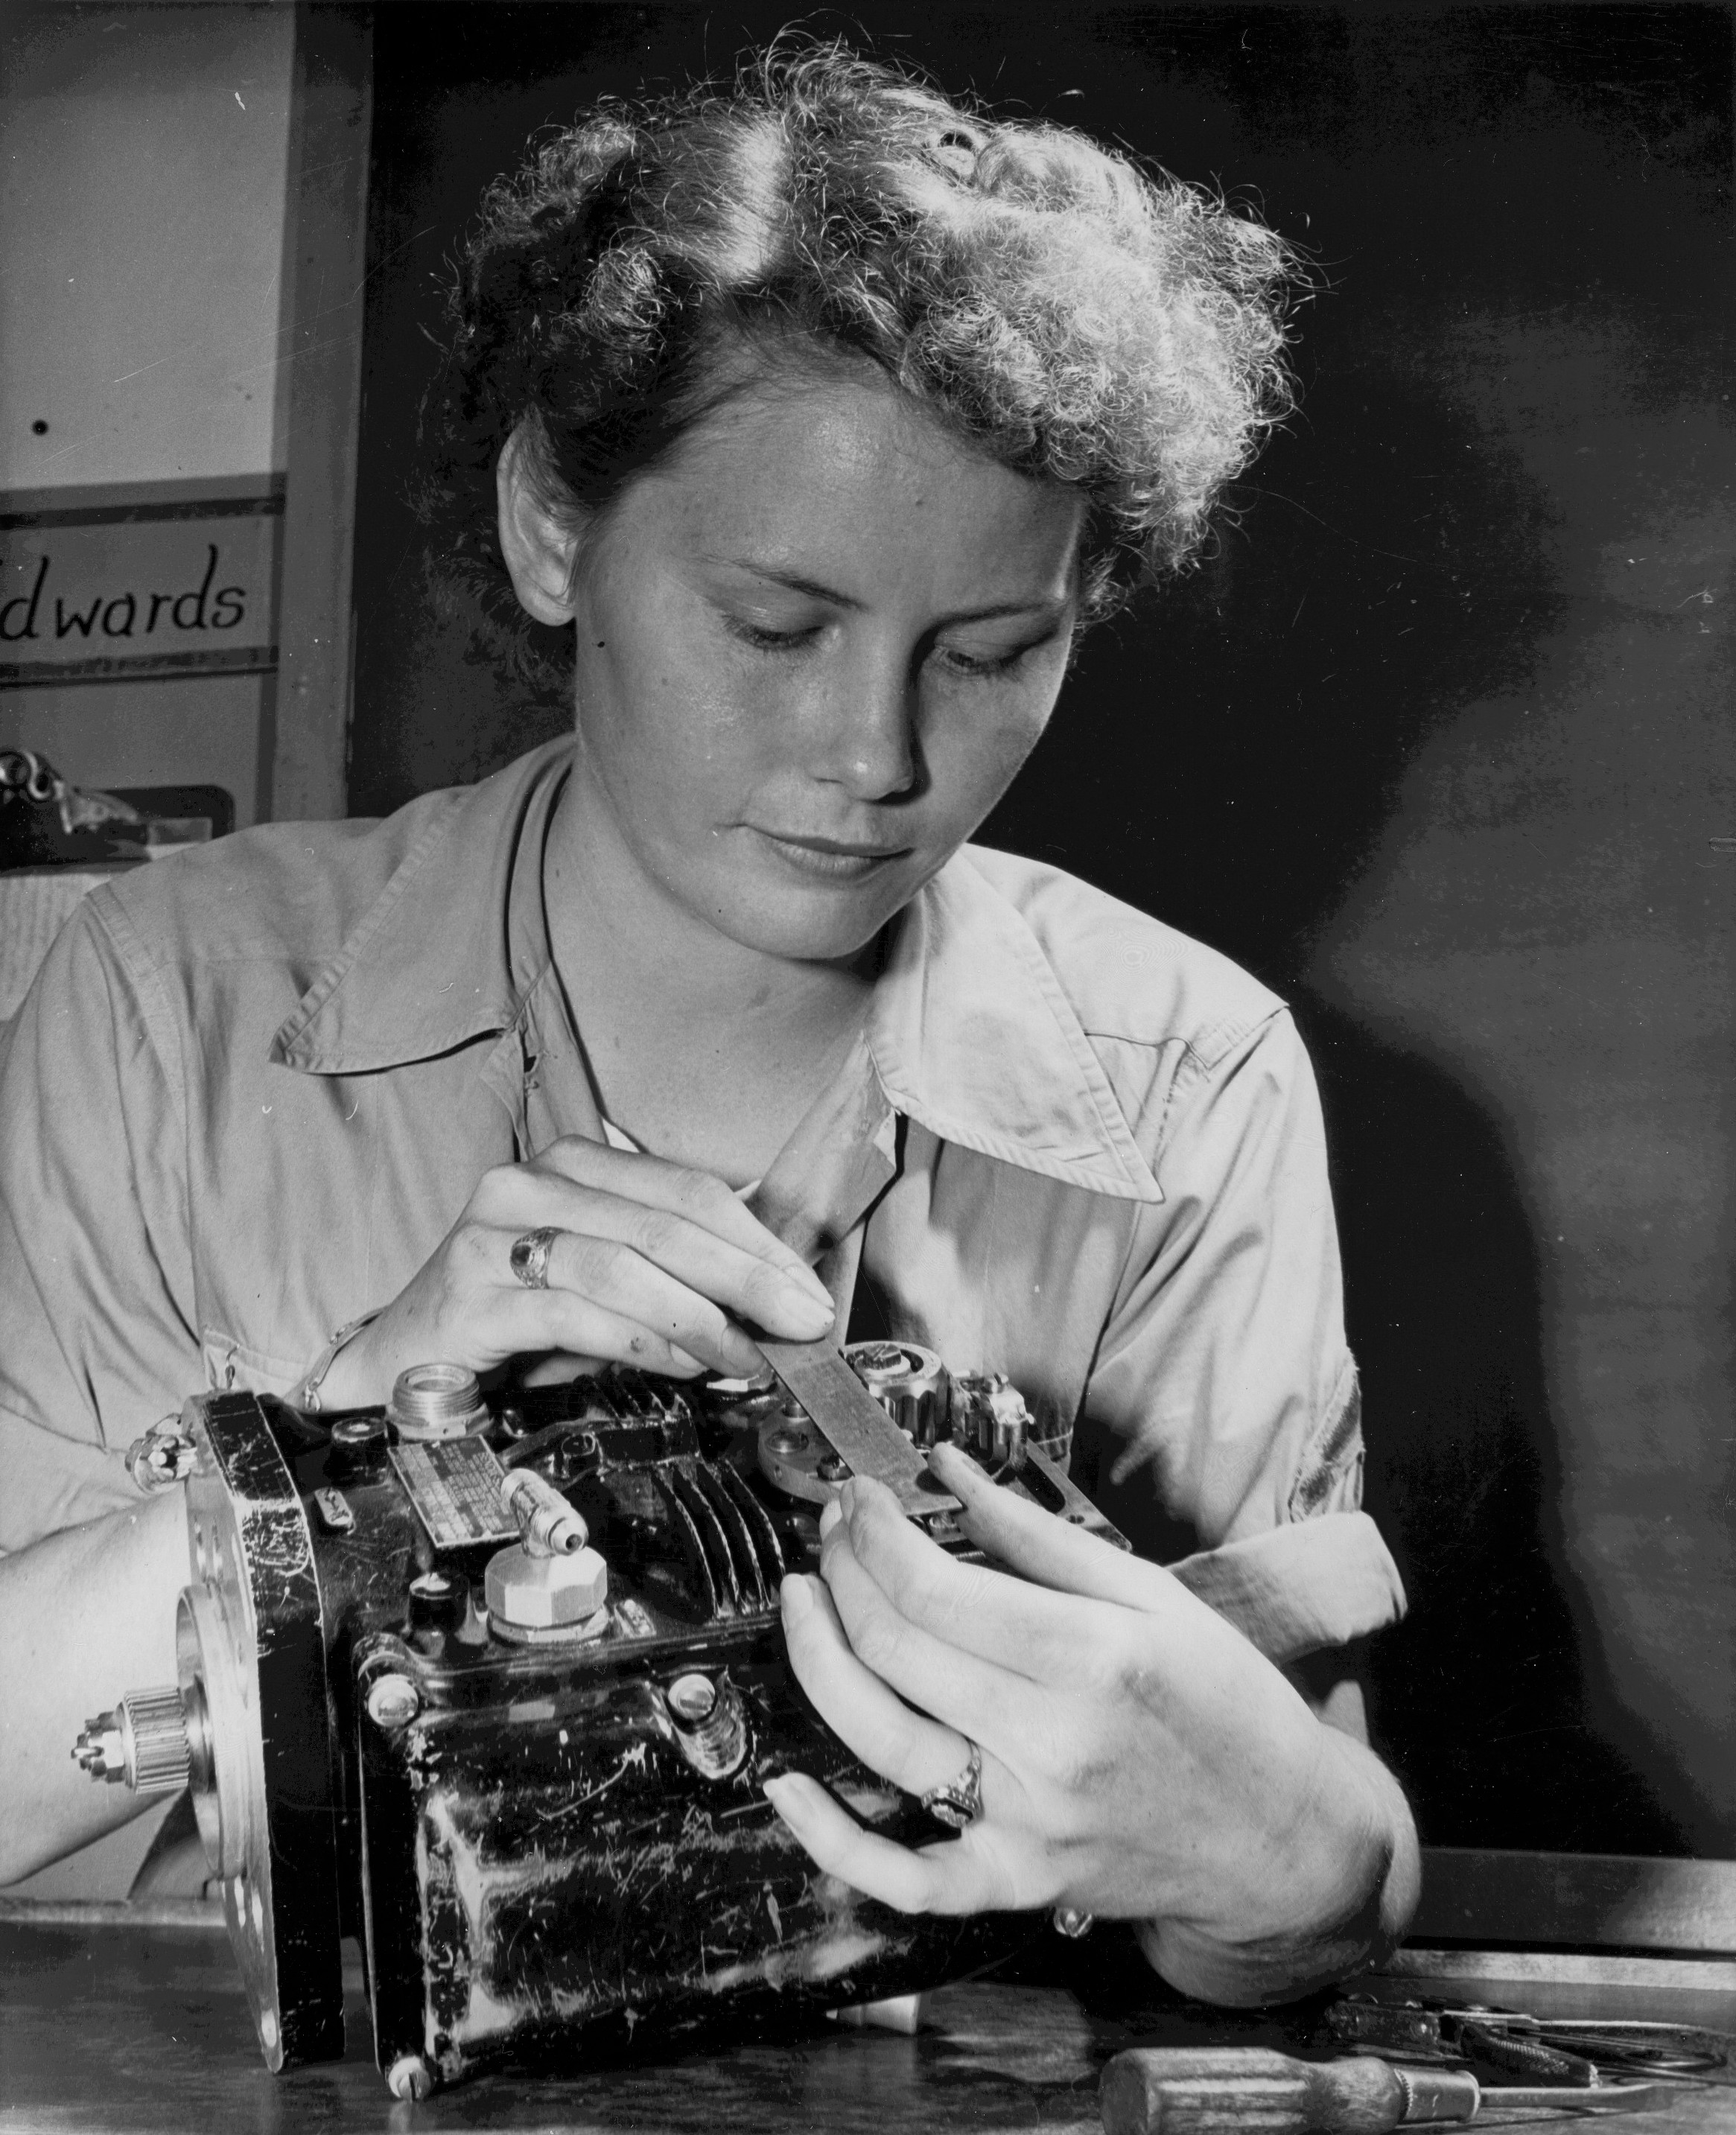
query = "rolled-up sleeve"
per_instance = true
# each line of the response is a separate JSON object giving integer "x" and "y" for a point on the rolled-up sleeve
{"x": 1223, "y": 1369}
{"x": 96, "y": 1269}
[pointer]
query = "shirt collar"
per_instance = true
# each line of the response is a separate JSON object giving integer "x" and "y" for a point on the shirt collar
{"x": 972, "y": 1035}
{"x": 445, "y": 955}
{"x": 969, "y": 1032}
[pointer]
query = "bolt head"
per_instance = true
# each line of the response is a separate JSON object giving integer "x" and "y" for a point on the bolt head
{"x": 691, "y": 1698}
{"x": 392, "y": 1701}
{"x": 879, "y": 1360}
{"x": 408, "y": 2077}
{"x": 539, "y": 1593}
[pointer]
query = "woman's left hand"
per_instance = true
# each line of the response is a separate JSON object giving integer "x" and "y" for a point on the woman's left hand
{"x": 1140, "y": 1758}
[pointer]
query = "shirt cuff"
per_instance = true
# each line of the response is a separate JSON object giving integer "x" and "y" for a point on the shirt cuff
{"x": 1298, "y": 1589}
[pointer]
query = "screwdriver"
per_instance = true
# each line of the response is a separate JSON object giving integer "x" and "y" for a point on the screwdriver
{"x": 1220, "y": 2090}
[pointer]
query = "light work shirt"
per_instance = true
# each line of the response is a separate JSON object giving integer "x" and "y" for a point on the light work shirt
{"x": 255, "y": 1086}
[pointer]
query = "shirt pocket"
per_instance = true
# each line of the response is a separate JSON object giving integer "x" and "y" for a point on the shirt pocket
{"x": 231, "y": 1366}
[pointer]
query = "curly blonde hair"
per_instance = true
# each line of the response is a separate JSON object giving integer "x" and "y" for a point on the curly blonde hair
{"x": 1078, "y": 319}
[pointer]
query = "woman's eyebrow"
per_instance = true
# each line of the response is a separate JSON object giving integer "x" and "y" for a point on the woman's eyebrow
{"x": 793, "y": 580}
{"x": 1040, "y": 604}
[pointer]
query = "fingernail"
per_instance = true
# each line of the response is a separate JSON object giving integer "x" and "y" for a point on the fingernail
{"x": 811, "y": 1283}
{"x": 846, "y": 1499}
{"x": 798, "y": 1601}
{"x": 782, "y": 1797}
{"x": 808, "y": 1312}
{"x": 831, "y": 1513}
{"x": 947, "y": 1460}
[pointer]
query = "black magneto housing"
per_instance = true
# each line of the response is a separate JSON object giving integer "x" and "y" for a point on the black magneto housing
{"x": 551, "y": 1848}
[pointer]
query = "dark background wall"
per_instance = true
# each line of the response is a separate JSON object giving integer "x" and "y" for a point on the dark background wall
{"x": 1437, "y": 742}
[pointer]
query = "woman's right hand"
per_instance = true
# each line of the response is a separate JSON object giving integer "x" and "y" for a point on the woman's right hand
{"x": 653, "y": 1264}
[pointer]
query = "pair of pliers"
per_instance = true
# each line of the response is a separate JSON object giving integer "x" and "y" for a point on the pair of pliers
{"x": 1572, "y": 2052}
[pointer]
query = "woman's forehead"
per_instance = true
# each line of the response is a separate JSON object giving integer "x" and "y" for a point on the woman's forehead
{"x": 840, "y": 461}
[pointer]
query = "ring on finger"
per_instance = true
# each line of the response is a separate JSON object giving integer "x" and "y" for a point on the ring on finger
{"x": 530, "y": 1257}
{"x": 959, "y": 1801}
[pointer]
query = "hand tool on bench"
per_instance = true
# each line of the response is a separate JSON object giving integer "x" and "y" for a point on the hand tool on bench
{"x": 1223, "y": 2090}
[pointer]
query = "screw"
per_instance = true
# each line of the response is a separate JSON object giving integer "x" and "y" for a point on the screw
{"x": 691, "y": 1698}
{"x": 408, "y": 2077}
{"x": 832, "y": 1469}
{"x": 392, "y": 1701}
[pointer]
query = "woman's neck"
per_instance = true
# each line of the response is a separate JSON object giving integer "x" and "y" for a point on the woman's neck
{"x": 704, "y": 1049}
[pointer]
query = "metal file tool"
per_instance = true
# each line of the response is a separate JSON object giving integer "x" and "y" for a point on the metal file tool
{"x": 855, "y": 1426}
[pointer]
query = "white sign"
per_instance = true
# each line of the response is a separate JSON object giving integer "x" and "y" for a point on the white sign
{"x": 166, "y": 579}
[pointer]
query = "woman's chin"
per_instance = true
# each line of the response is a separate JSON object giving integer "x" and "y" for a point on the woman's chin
{"x": 826, "y": 922}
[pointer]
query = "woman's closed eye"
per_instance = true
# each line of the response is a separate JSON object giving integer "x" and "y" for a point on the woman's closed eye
{"x": 982, "y": 661}
{"x": 768, "y": 637}
{"x": 969, "y": 660}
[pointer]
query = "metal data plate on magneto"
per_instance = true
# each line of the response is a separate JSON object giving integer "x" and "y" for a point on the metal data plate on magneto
{"x": 528, "y": 1774}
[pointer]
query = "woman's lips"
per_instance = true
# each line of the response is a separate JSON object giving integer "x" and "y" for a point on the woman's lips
{"x": 831, "y": 859}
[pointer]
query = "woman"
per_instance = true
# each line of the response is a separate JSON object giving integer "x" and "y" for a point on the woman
{"x": 817, "y": 418}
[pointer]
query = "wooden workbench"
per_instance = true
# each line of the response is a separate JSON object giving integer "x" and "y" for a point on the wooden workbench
{"x": 111, "y": 2023}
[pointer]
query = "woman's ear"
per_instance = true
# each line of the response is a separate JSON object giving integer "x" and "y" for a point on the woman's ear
{"x": 538, "y": 549}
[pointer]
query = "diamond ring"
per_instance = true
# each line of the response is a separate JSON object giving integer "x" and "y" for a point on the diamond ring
{"x": 959, "y": 1802}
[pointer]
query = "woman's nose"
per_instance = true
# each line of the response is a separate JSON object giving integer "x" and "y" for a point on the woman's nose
{"x": 864, "y": 731}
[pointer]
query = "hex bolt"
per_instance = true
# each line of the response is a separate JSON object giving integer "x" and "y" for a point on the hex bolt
{"x": 833, "y": 1470}
{"x": 101, "y": 1748}
{"x": 545, "y": 1593}
{"x": 392, "y": 1701}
